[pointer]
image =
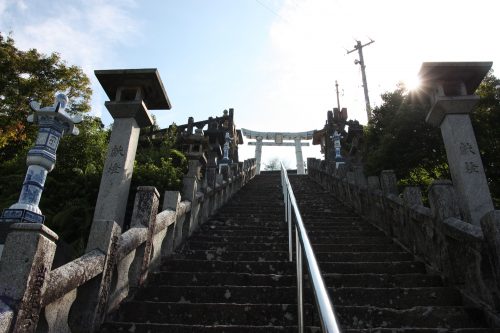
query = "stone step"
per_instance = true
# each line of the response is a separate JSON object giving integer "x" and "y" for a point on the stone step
{"x": 278, "y": 267}
{"x": 356, "y": 317}
{"x": 327, "y": 239}
{"x": 222, "y": 279}
{"x": 282, "y": 226}
{"x": 394, "y": 298}
{"x": 366, "y": 280}
{"x": 223, "y": 255}
{"x": 210, "y": 313}
{"x": 283, "y": 246}
{"x": 110, "y": 327}
{"x": 444, "y": 317}
{"x": 316, "y": 232}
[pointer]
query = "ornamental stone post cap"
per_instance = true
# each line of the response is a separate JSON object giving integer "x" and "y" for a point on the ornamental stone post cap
{"x": 56, "y": 111}
{"x": 122, "y": 85}
{"x": 452, "y": 78}
{"x": 450, "y": 87}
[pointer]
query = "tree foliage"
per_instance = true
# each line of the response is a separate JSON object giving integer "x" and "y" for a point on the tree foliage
{"x": 398, "y": 137}
{"x": 71, "y": 189}
{"x": 30, "y": 74}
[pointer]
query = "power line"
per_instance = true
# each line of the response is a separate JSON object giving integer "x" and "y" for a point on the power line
{"x": 271, "y": 10}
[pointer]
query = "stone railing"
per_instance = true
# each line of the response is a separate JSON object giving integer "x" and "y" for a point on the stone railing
{"x": 77, "y": 296}
{"x": 466, "y": 255}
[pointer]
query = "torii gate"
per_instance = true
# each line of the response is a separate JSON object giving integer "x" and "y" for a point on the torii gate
{"x": 278, "y": 138}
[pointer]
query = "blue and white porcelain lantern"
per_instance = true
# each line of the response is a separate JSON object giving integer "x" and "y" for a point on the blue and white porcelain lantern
{"x": 54, "y": 123}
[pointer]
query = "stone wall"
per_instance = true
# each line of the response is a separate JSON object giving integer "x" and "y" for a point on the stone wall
{"x": 466, "y": 255}
{"x": 77, "y": 296}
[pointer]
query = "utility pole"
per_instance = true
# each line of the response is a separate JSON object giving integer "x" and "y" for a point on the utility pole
{"x": 337, "y": 90}
{"x": 361, "y": 62}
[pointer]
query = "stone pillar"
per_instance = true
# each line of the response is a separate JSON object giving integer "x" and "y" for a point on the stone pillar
{"x": 258, "y": 153}
{"x": 26, "y": 262}
{"x": 118, "y": 168}
{"x": 452, "y": 87}
{"x": 466, "y": 167}
{"x": 298, "y": 156}
{"x": 129, "y": 108}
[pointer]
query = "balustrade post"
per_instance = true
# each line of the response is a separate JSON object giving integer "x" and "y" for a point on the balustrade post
{"x": 171, "y": 201}
{"x": 388, "y": 182}
{"x": 144, "y": 215}
{"x": 443, "y": 200}
{"x": 26, "y": 261}
{"x": 412, "y": 196}
{"x": 490, "y": 225}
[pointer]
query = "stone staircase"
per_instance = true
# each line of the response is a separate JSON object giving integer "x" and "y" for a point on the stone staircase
{"x": 233, "y": 275}
{"x": 374, "y": 284}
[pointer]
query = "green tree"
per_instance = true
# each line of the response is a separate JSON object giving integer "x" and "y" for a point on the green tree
{"x": 398, "y": 138}
{"x": 71, "y": 188}
{"x": 485, "y": 119}
{"x": 30, "y": 74}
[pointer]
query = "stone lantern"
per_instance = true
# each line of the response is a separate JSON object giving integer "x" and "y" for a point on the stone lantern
{"x": 53, "y": 124}
{"x": 450, "y": 87}
{"x": 132, "y": 93}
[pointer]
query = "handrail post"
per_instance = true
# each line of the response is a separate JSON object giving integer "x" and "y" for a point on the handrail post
{"x": 300, "y": 294}
{"x": 289, "y": 218}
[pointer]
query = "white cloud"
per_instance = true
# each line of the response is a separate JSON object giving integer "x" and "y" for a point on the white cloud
{"x": 309, "y": 40}
{"x": 85, "y": 33}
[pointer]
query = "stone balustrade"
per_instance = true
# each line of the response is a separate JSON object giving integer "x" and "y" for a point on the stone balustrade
{"x": 51, "y": 302}
{"x": 465, "y": 254}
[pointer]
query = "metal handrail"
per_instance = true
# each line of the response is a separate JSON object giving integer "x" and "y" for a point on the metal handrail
{"x": 329, "y": 322}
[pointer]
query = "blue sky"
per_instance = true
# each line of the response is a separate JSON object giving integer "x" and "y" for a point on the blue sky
{"x": 274, "y": 61}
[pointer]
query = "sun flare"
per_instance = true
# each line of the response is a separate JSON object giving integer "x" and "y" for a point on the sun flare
{"x": 412, "y": 83}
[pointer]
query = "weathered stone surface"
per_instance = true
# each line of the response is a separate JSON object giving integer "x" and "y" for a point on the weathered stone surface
{"x": 463, "y": 231}
{"x": 490, "y": 225}
{"x": 6, "y": 317}
{"x": 90, "y": 306}
{"x": 117, "y": 172}
{"x": 57, "y": 313}
{"x": 171, "y": 200}
{"x": 466, "y": 167}
{"x": 388, "y": 182}
{"x": 360, "y": 178}
{"x": 72, "y": 275}
{"x": 373, "y": 183}
{"x": 26, "y": 262}
{"x": 412, "y": 196}
{"x": 443, "y": 200}
{"x": 453, "y": 247}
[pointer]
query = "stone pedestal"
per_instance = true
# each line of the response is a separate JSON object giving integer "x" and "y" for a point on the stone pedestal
{"x": 26, "y": 262}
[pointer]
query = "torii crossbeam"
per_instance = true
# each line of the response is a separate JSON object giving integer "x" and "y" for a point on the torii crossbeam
{"x": 278, "y": 138}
